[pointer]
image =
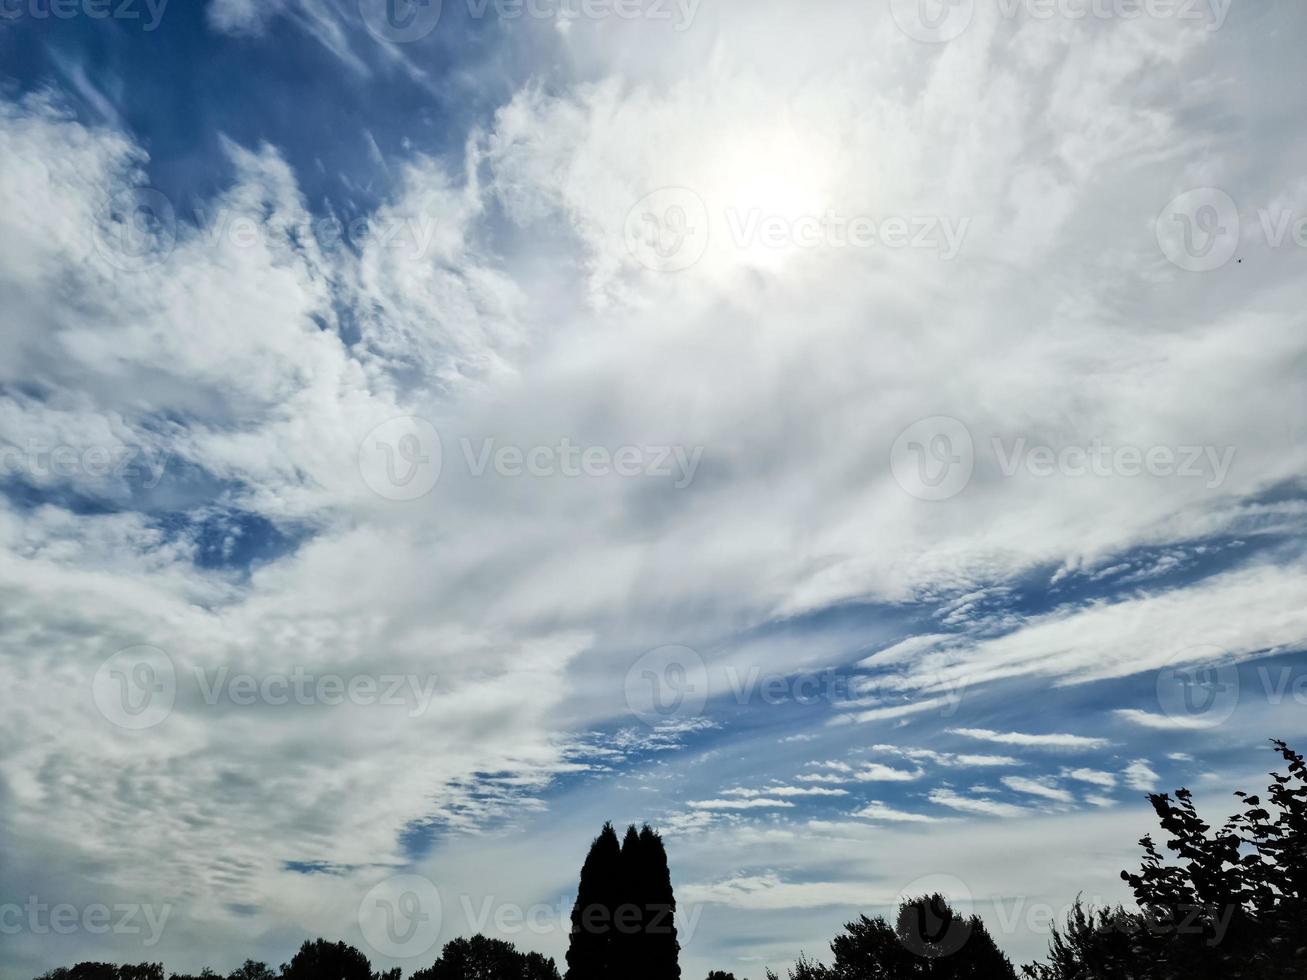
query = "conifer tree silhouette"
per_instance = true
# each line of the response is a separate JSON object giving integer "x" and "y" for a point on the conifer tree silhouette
{"x": 623, "y": 923}
{"x": 661, "y": 948}
{"x": 591, "y": 951}
{"x": 630, "y": 942}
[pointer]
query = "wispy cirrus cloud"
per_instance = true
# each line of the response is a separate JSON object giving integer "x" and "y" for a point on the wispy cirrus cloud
{"x": 1051, "y": 741}
{"x": 979, "y": 805}
{"x": 1047, "y": 789}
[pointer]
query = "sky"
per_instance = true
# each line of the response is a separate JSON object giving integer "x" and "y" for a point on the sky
{"x": 864, "y": 441}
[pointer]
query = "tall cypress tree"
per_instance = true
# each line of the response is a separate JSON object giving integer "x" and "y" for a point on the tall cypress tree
{"x": 629, "y": 918}
{"x": 590, "y": 955}
{"x": 661, "y": 951}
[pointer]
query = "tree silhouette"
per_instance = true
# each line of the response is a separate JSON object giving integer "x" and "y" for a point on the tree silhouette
{"x": 481, "y": 958}
{"x": 623, "y": 923}
{"x": 591, "y": 953}
{"x": 658, "y": 948}
{"x": 339, "y": 961}
{"x": 1228, "y": 903}
{"x": 107, "y": 971}
{"x": 1233, "y": 906}
{"x": 928, "y": 939}
{"x": 630, "y": 945}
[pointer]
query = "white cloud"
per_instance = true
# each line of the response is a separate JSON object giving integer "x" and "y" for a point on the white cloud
{"x": 1174, "y": 723}
{"x": 1055, "y": 741}
{"x": 976, "y": 805}
{"x": 761, "y": 803}
{"x": 770, "y": 891}
{"x": 1035, "y": 787}
{"x": 783, "y": 791}
{"x": 1139, "y": 775}
{"x": 876, "y": 810}
{"x": 1094, "y": 776}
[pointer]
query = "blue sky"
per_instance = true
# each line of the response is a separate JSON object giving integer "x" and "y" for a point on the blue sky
{"x": 869, "y": 448}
